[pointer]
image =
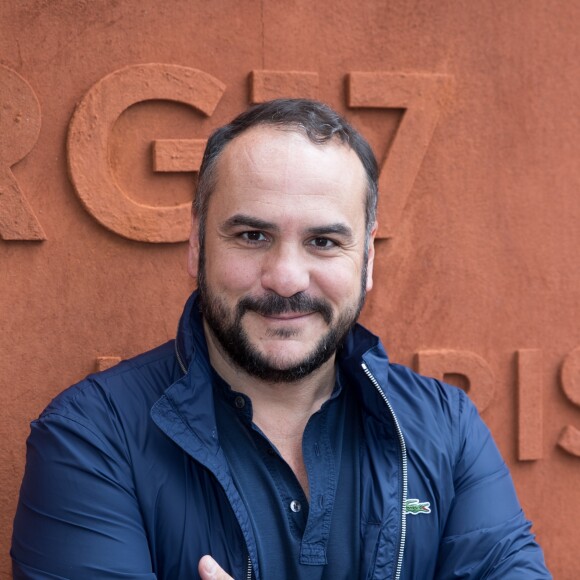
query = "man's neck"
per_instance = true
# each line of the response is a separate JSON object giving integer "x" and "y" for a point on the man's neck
{"x": 280, "y": 410}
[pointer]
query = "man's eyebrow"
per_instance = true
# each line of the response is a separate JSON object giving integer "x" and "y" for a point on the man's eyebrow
{"x": 241, "y": 219}
{"x": 337, "y": 228}
{"x": 249, "y": 221}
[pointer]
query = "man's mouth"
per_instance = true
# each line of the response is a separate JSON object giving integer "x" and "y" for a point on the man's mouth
{"x": 286, "y": 316}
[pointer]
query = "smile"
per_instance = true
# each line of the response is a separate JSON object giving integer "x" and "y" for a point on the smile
{"x": 287, "y": 316}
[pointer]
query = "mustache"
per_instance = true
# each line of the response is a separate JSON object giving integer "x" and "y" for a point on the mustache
{"x": 272, "y": 304}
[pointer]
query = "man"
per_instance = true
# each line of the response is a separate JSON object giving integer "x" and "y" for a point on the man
{"x": 272, "y": 439}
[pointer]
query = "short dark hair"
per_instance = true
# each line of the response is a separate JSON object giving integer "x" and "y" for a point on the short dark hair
{"x": 316, "y": 120}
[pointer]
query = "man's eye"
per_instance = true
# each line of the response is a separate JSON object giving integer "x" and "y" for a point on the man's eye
{"x": 323, "y": 243}
{"x": 254, "y": 236}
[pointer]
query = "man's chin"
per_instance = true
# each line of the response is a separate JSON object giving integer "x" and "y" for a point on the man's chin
{"x": 283, "y": 352}
{"x": 278, "y": 365}
{"x": 280, "y": 374}
{"x": 283, "y": 365}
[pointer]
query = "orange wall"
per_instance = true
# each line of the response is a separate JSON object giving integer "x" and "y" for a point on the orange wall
{"x": 472, "y": 106}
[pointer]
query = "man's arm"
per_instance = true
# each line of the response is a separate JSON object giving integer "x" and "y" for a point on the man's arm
{"x": 486, "y": 534}
{"x": 77, "y": 516}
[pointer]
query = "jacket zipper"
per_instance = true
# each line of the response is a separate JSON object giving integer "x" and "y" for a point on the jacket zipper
{"x": 182, "y": 366}
{"x": 374, "y": 381}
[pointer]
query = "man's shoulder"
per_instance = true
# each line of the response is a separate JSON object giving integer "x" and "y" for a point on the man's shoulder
{"x": 405, "y": 382}
{"x": 134, "y": 383}
{"x": 410, "y": 393}
{"x": 428, "y": 403}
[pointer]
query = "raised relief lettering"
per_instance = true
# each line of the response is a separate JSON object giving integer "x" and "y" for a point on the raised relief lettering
{"x": 476, "y": 371}
{"x": 569, "y": 439}
{"x": 530, "y": 404}
{"x": 272, "y": 84}
{"x": 19, "y": 129}
{"x": 421, "y": 96}
{"x": 88, "y": 155}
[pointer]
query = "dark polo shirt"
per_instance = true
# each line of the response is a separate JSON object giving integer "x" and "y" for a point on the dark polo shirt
{"x": 296, "y": 538}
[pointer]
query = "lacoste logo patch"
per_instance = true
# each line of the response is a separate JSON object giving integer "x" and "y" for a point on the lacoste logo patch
{"x": 414, "y": 507}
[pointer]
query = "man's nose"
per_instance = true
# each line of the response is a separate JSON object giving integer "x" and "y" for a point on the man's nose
{"x": 285, "y": 271}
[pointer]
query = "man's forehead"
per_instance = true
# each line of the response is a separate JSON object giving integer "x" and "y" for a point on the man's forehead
{"x": 277, "y": 174}
{"x": 281, "y": 177}
{"x": 275, "y": 145}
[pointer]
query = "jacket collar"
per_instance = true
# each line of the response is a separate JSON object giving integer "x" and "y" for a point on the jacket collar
{"x": 362, "y": 346}
{"x": 190, "y": 339}
{"x": 185, "y": 412}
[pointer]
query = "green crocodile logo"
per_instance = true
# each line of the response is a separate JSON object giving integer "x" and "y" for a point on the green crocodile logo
{"x": 414, "y": 507}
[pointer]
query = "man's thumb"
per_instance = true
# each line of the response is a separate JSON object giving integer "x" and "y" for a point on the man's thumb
{"x": 209, "y": 569}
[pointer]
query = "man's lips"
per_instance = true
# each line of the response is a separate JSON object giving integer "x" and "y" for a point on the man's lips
{"x": 287, "y": 316}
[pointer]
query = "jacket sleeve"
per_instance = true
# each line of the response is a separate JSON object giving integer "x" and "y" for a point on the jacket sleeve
{"x": 486, "y": 534}
{"x": 77, "y": 515}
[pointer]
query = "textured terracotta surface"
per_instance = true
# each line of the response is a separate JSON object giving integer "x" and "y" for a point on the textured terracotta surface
{"x": 473, "y": 110}
{"x": 19, "y": 127}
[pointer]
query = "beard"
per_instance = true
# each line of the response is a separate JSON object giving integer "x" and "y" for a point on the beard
{"x": 226, "y": 325}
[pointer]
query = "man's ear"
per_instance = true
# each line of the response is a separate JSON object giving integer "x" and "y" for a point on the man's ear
{"x": 371, "y": 257}
{"x": 193, "y": 255}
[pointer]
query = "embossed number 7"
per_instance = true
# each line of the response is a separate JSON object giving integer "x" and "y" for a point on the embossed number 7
{"x": 420, "y": 95}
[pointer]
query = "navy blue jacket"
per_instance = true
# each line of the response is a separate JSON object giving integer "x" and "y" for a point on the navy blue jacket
{"x": 125, "y": 477}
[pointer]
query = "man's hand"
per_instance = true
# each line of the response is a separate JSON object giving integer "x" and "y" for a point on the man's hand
{"x": 209, "y": 569}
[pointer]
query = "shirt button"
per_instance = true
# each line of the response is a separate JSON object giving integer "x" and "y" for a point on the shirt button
{"x": 295, "y": 506}
{"x": 239, "y": 402}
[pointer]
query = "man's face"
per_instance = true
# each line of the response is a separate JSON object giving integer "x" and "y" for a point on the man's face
{"x": 285, "y": 269}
